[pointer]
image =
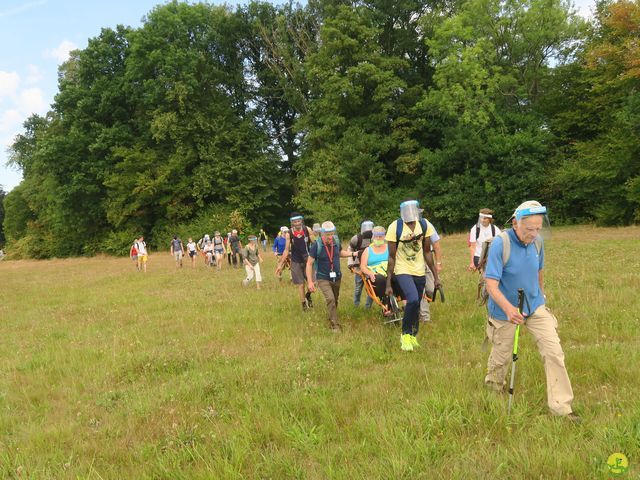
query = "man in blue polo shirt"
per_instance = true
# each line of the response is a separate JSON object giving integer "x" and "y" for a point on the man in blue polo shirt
{"x": 523, "y": 250}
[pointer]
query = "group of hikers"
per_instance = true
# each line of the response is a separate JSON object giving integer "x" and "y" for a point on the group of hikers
{"x": 404, "y": 260}
{"x": 212, "y": 250}
{"x": 399, "y": 268}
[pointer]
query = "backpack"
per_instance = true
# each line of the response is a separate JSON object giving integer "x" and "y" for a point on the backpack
{"x": 400, "y": 226}
{"x": 483, "y": 295}
{"x": 307, "y": 238}
{"x": 320, "y": 248}
{"x": 358, "y": 248}
{"x": 493, "y": 231}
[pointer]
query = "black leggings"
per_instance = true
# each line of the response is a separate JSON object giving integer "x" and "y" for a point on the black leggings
{"x": 380, "y": 286}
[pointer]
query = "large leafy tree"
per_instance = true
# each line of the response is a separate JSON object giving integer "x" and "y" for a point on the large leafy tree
{"x": 358, "y": 125}
{"x": 597, "y": 122}
{"x": 199, "y": 143}
{"x": 491, "y": 60}
{"x": 3, "y": 194}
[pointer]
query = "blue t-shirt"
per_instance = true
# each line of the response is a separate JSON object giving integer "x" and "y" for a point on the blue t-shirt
{"x": 278, "y": 245}
{"x": 521, "y": 271}
{"x": 322, "y": 260}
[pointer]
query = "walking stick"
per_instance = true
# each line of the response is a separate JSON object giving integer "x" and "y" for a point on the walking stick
{"x": 514, "y": 356}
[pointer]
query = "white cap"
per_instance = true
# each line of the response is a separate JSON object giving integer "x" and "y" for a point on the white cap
{"x": 328, "y": 227}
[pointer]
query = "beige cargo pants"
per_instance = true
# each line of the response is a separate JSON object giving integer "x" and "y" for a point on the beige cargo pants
{"x": 542, "y": 325}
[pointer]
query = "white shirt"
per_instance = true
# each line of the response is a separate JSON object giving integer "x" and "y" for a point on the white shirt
{"x": 142, "y": 248}
{"x": 191, "y": 246}
{"x": 485, "y": 234}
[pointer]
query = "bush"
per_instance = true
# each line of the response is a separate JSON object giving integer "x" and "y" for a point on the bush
{"x": 221, "y": 218}
{"x": 118, "y": 242}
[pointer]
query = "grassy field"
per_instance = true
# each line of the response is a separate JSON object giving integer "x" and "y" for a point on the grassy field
{"x": 111, "y": 373}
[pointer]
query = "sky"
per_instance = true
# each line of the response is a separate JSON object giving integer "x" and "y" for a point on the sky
{"x": 36, "y": 36}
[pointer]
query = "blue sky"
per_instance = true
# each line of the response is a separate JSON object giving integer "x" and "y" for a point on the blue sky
{"x": 37, "y": 35}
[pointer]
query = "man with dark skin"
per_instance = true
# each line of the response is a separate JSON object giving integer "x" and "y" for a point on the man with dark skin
{"x": 409, "y": 254}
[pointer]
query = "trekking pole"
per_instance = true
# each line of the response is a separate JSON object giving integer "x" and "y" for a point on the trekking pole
{"x": 514, "y": 356}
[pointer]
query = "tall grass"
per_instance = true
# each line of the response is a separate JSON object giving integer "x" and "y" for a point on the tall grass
{"x": 111, "y": 373}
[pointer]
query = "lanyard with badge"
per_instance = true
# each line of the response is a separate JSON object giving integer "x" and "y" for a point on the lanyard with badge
{"x": 332, "y": 274}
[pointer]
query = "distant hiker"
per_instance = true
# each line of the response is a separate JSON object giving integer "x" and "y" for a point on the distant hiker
{"x": 279, "y": 244}
{"x": 192, "y": 248}
{"x": 236, "y": 246}
{"x": 298, "y": 240}
{"x": 409, "y": 254}
{"x": 227, "y": 247}
{"x": 515, "y": 261}
{"x": 203, "y": 241}
{"x": 357, "y": 245}
{"x": 218, "y": 249}
{"x": 141, "y": 247}
{"x": 133, "y": 254}
{"x": 177, "y": 250}
{"x": 262, "y": 236}
{"x": 252, "y": 259}
{"x": 483, "y": 230}
{"x": 325, "y": 252}
{"x": 209, "y": 259}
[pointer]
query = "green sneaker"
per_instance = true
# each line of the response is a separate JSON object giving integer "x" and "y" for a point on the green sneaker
{"x": 406, "y": 345}
{"x": 414, "y": 341}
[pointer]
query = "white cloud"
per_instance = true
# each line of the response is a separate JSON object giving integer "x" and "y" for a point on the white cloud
{"x": 21, "y": 8}
{"x": 34, "y": 75}
{"x": 10, "y": 119}
{"x": 31, "y": 100}
{"x": 9, "y": 82}
{"x": 61, "y": 52}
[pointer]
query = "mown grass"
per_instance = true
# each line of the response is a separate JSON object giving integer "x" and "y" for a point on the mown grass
{"x": 110, "y": 373}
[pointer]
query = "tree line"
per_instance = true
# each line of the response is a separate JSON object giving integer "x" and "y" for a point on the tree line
{"x": 212, "y": 117}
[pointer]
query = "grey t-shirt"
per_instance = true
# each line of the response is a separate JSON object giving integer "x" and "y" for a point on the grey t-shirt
{"x": 250, "y": 255}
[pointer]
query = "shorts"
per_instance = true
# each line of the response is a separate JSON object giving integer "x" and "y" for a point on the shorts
{"x": 218, "y": 251}
{"x": 298, "y": 275}
{"x": 177, "y": 255}
{"x": 142, "y": 258}
{"x": 134, "y": 258}
{"x": 192, "y": 253}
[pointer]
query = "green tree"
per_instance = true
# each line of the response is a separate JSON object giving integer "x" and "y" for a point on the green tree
{"x": 3, "y": 194}
{"x": 358, "y": 128}
{"x": 491, "y": 59}
{"x": 597, "y": 127}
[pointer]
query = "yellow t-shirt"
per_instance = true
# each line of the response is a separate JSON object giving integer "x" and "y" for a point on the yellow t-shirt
{"x": 409, "y": 256}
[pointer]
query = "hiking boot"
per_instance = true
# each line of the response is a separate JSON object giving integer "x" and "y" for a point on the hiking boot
{"x": 309, "y": 301}
{"x": 573, "y": 418}
{"x": 414, "y": 341}
{"x": 496, "y": 388}
{"x": 406, "y": 345}
{"x": 305, "y": 307}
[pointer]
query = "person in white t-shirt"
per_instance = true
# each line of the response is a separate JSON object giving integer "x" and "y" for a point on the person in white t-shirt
{"x": 141, "y": 246}
{"x": 192, "y": 248}
{"x": 481, "y": 231}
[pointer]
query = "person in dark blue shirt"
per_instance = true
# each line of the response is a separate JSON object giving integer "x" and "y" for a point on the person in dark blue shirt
{"x": 325, "y": 253}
